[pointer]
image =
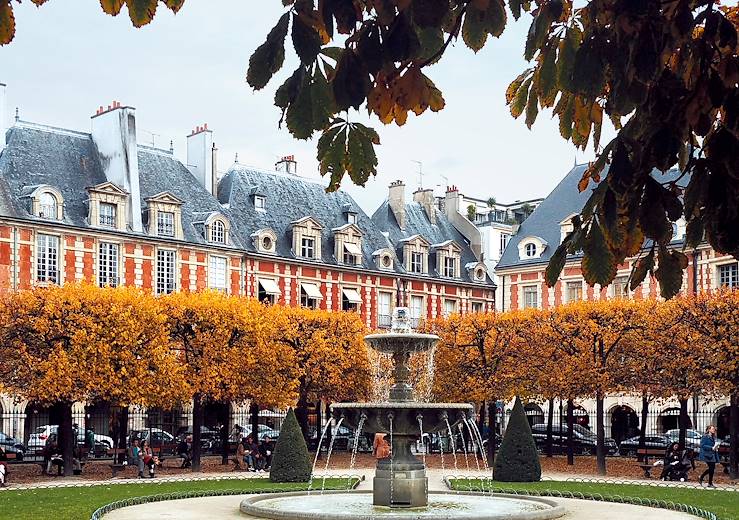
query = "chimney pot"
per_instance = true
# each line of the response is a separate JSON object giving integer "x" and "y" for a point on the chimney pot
{"x": 205, "y": 126}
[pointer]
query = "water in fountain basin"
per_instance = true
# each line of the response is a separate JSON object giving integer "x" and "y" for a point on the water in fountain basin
{"x": 318, "y": 452}
{"x": 328, "y": 455}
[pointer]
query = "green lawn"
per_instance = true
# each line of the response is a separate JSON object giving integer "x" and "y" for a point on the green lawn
{"x": 724, "y": 503}
{"x": 79, "y": 503}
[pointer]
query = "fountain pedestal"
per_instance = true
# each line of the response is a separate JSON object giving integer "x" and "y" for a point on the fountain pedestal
{"x": 400, "y": 481}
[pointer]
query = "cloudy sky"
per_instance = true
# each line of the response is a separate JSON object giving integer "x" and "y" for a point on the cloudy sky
{"x": 180, "y": 71}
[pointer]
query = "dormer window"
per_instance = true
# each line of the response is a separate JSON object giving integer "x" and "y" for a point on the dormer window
{"x": 383, "y": 258}
{"x": 415, "y": 254}
{"x": 48, "y": 205}
{"x": 165, "y": 223}
{"x": 351, "y": 218}
{"x": 264, "y": 240}
{"x": 479, "y": 274}
{"x": 306, "y": 238}
{"x": 108, "y": 214}
{"x": 476, "y": 271}
{"x": 386, "y": 262}
{"x": 448, "y": 259}
{"x": 531, "y": 247}
{"x": 218, "y": 232}
{"x": 267, "y": 243}
{"x": 260, "y": 203}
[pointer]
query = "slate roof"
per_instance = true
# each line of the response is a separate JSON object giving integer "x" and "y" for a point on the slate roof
{"x": 545, "y": 220}
{"x": 290, "y": 198}
{"x": 418, "y": 223}
{"x": 69, "y": 161}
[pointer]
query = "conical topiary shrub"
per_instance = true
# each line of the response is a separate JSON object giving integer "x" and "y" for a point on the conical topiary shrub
{"x": 517, "y": 459}
{"x": 290, "y": 461}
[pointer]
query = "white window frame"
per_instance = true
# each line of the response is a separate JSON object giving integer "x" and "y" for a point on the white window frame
{"x": 577, "y": 287}
{"x": 530, "y": 250}
{"x": 218, "y": 232}
{"x": 450, "y": 307}
{"x": 218, "y": 273}
{"x": 416, "y": 263}
{"x": 503, "y": 241}
{"x": 106, "y": 218}
{"x": 260, "y": 203}
{"x": 165, "y": 224}
{"x": 727, "y": 275}
{"x": 166, "y": 271}
{"x": 416, "y": 312}
{"x": 528, "y": 290}
{"x": 384, "y": 309}
{"x": 108, "y": 264}
{"x": 477, "y": 307}
{"x": 307, "y": 245}
{"x": 47, "y": 258}
{"x": 450, "y": 266}
{"x": 620, "y": 281}
{"x": 351, "y": 218}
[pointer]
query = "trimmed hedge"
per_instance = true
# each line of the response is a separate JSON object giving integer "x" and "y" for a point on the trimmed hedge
{"x": 290, "y": 461}
{"x": 517, "y": 460}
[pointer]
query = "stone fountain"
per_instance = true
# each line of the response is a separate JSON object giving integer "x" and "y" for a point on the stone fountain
{"x": 400, "y": 480}
{"x": 400, "y": 486}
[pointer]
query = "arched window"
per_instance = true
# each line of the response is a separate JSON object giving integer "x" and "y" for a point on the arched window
{"x": 47, "y": 205}
{"x": 218, "y": 232}
{"x": 530, "y": 250}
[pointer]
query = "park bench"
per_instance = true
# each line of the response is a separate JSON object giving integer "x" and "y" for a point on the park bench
{"x": 115, "y": 466}
{"x": 724, "y": 454}
{"x": 646, "y": 454}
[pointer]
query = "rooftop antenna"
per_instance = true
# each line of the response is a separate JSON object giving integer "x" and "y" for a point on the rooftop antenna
{"x": 420, "y": 173}
{"x": 17, "y": 116}
{"x": 153, "y": 136}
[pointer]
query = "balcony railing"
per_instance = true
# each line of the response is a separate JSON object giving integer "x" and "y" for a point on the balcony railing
{"x": 384, "y": 321}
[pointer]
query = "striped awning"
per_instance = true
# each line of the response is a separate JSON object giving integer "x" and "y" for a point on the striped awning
{"x": 312, "y": 290}
{"x": 352, "y": 295}
{"x": 270, "y": 286}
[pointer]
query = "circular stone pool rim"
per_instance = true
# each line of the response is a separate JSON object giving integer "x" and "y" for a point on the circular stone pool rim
{"x": 250, "y": 506}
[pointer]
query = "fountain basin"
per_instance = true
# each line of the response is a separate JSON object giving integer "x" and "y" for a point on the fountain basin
{"x": 357, "y": 505}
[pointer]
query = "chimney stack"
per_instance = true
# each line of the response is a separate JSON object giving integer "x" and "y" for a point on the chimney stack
{"x": 426, "y": 199}
{"x": 396, "y": 200}
{"x": 2, "y": 117}
{"x": 114, "y": 135}
{"x": 200, "y": 157}
{"x": 287, "y": 164}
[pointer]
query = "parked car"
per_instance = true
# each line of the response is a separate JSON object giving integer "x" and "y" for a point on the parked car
{"x": 210, "y": 440}
{"x": 12, "y": 445}
{"x": 629, "y": 447}
{"x": 157, "y": 438}
{"x": 38, "y": 438}
{"x": 264, "y": 432}
{"x": 584, "y": 440}
{"x": 692, "y": 438}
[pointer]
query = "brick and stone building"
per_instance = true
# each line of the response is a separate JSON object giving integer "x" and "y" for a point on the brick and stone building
{"x": 100, "y": 207}
{"x": 521, "y": 284}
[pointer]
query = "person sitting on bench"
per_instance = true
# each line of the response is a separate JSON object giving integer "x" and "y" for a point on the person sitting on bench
{"x": 183, "y": 451}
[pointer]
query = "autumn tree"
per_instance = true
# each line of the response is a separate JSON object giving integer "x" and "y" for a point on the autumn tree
{"x": 227, "y": 350}
{"x": 60, "y": 345}
{"x": 329, "y": 354}
{"x": 715, "y": 318}
{"x": 481, "y": 359}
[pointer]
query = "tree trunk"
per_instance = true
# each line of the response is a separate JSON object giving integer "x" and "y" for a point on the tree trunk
{"x": 65, "y": 436}
{"x": 683, "y": 421}
{"x": 482, "y": 417}
{"x": 493, "y": 416}
{"x": 550, "y": 418}
{"x": 643, "y": 425}
{"x": 123, "y": 433}
{"x": 254, "y": 421}
{"x": 570, "y": 431}
{"x": 734, "y": 436}
{"x": 600, "y": 446}
{"x": 224, "y": 420}
{"x": 301, "y": 413}
{"x": 197, "y": 422}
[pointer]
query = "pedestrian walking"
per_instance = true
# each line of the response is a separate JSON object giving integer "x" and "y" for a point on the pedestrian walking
{"x": 709, "y": 454}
